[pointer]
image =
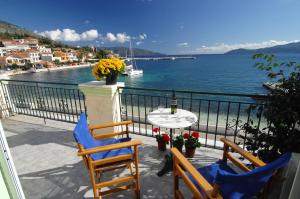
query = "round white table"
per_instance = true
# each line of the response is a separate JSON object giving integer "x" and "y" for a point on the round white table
{"x": 163, "y": 118}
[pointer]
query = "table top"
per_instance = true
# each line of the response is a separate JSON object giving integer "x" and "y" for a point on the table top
{"x": 164, "y": 118}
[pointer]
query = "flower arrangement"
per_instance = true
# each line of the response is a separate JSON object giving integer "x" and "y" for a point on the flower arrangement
{"x": 109, "y": 68}
{"x": 162, "y": 139}
{"x": 178, "y": 142}
{"x": 192, "y": 140}
{"x": 191, "y": 143}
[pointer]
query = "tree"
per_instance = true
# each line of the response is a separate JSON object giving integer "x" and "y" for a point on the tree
{"x": 56, "y": 62}
{"x": 281, "y": 110}
{"x": 101, "y": 54}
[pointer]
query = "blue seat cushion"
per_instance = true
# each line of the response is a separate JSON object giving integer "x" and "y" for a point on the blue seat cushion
{"x": 83, "y": 136}
{"x": 112, "y": 153}
{"x": 210, "y": 172}
{"x": 235, "y": 185}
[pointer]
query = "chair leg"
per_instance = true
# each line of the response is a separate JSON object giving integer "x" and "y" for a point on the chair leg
{"x": 137, "y": 175}
{"x": 130, "y": 168}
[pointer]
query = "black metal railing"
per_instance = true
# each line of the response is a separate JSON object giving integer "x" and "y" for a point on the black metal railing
{"x": 48, "y": 100}
{"x": 219, "y": 114}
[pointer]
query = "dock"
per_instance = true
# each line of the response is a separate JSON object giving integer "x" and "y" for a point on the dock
{"x": 163, "y": 58}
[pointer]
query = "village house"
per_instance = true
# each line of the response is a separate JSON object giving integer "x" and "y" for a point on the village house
{"x": 72, "y": 56}
{"x": 13, "y": 46}
{"x": 18, "y": 58}
{"x": 34, "y": 55}
{"x": 47, "y": 56}
{"x": 31, "y": 42}
{"x": 43, "y": 49}
{"x": 63, "y": 56}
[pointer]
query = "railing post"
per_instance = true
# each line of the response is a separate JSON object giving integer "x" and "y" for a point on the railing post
{"x": 6, "y": 106}
{"x": 102, "y": 103}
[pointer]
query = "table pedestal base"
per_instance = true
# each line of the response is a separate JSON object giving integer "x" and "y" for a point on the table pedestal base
{"x": 167, "y": 167}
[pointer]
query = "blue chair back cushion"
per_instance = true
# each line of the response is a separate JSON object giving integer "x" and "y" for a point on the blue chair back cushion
{"x": 240, "y": 186}
{"x": 83, "y": 136}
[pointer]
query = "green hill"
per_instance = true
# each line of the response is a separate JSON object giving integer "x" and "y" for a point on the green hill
{"x": 8, "y": 31}
{"x": 137, "y": 52}
{"x": 11, "y": 31}
{"x": 287, "y": 48}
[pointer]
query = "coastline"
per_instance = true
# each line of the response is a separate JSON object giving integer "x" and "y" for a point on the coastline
{"x": 64, "y": 67}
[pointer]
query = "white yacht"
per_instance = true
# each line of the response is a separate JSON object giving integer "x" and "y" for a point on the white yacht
{"x": 131, "y": 69}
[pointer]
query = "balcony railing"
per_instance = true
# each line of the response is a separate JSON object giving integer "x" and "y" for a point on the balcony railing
{"x": 219, "y": 114}
{"x": 56, "y": 101}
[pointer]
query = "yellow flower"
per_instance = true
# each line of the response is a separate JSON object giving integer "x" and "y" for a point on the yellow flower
{"x": 107, "y": 66}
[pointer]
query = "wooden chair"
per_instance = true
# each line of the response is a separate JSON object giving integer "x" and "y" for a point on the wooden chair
{"x": 219, "y": 180}
{"x": 104, "y": 152}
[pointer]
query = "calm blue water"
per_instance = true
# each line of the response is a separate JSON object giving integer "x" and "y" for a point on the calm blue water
{"x": 214, "y": 73}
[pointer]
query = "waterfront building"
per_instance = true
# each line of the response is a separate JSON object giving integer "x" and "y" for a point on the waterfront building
{"x": 43, "y": 49}
{"x": 18, "y": 58}
{"x": 47, "y": 56}
{"x": 2, "y": 51}
{"x": 34, "y": 55}
{"x": 63, "y": 56}
{"x": 3, "y": 61}
{"x": 72, "y": 56}
{"x": 13, "y": 46}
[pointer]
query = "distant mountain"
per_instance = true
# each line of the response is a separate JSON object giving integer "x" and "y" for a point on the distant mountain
{"x": 287, "y": 48}
{"x": 137, "y": 52}
{"x": 7, "y": 29}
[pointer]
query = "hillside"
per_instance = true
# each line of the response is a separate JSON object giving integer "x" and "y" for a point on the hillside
{"x": 11, "y": 31}
{"x": 7, "y": 30}
{"x": 124, "y": 51}
{"x": 287, "y": 48}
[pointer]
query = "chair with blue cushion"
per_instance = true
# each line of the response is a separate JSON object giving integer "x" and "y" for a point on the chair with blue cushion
{"x": 219, "y": 180}
{"x": 103, "y": 152}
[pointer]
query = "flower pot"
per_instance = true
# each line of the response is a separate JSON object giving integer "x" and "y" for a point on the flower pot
{"x": 112, "y": 79}
{"x": 161, "y": 146}
{"x": 190, "y": 152}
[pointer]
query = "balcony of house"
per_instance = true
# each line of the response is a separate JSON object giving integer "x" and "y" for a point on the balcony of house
{"x": 40, "y": 118}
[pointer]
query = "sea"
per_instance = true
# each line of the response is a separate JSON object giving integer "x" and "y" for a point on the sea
{"x": 206, "y": 73}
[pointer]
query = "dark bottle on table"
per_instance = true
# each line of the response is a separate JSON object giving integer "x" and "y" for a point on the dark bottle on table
{"x": 173, "y": 103}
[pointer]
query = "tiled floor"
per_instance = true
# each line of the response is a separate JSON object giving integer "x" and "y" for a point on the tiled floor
{"x": 48, "y": 167}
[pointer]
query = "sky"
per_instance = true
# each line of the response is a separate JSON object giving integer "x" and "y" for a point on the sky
{"x": 166, "y": 26}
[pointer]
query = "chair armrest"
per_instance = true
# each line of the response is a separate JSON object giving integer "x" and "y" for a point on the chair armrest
{"x": 109, "y": 135}
{"x": 242, "y": 152}
{"x": 109, "y": 147}
{"x": 200, "y": 180}
{"x": 101, "y": 126}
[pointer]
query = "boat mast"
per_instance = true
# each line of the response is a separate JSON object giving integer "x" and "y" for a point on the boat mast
{"x": 131, "y": 55}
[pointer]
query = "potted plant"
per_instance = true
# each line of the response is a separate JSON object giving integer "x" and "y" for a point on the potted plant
{"x": 109, "y": 69}
{"x": 191, "y": 142}
{"x": 178, "y": 142}
{"x": 162, "y": 139}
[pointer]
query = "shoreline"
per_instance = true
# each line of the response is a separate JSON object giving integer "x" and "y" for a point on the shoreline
{"x": 64, "y": 67}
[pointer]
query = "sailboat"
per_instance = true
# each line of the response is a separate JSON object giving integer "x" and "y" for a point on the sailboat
{"x": 131, "y": 69}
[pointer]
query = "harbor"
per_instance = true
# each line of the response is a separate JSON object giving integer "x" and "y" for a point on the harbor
{"x": 164, "y": 58}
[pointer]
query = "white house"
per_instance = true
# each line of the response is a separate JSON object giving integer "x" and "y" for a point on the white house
{"x": 13, "y": 46}
{"x": 2, "y": 51}
{"x": 72, "y": 56}
{"x": 34, "y": 55}
{"x": 43, "y": 49}
{"x": 46, "y": 56}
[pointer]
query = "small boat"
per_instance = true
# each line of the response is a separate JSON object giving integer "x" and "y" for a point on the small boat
{"x": 131, "y": 69}
{"x": 32, "y": 70}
